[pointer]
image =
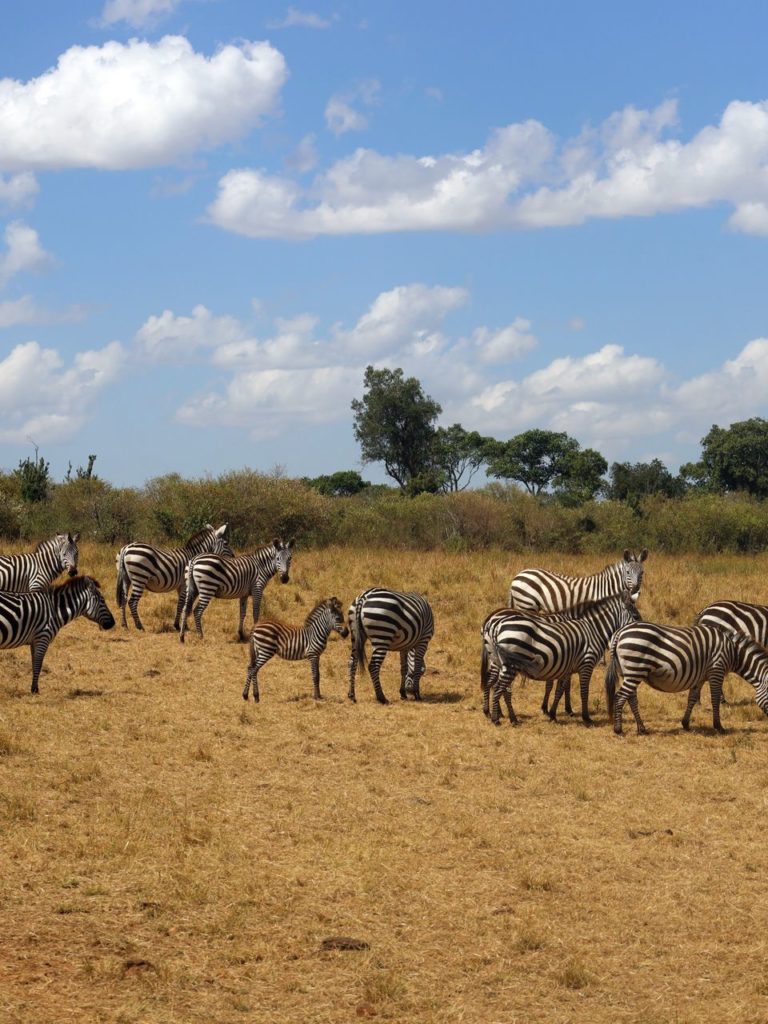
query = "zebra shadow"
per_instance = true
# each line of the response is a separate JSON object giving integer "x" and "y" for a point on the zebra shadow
{"x": 442, "y": 697}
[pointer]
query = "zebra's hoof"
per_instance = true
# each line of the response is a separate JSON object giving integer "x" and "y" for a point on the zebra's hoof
{"x": 588, "y": 722}
{"x": 686, "y": 725}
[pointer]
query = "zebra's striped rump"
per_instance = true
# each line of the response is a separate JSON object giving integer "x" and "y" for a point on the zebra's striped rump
{"x": 549, "y": 648}
{"x": 294, "y": 643}
{"x": 677, "y": 658}
{"x": 540, "y": 589}
{"x": 35, "y": 618}
{"x": 392, "y": 621}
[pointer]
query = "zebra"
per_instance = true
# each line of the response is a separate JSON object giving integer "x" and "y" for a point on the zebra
{"x": 36, "y": 570}
{"x": 210, "y": 576}
{"x": 392, "y": 621}
{"x": 295, "y": 642}
{"x": 143, "y": 567}
{"x": 737, "y": 616}
{"x": 547, "y": 649}
{"x": 677, "y": 658}
{"x": 542, "y": 590}
{"x": 36, "y": 617}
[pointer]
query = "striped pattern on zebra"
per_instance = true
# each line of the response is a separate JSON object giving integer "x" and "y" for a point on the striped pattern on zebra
{"x": 546, "y": 648}
{"x": 35, "y": 618}
{"x": 241, "y": 576}
{"x": 738, "y": 617}
{"x": 392, "y": 621}
{"x": 295, "y": 643}
{"x": 36, "y": 570}
{"x": 678, "y": 658}
{"x": 143, "y": 567}
{"x": 542, "y": 590}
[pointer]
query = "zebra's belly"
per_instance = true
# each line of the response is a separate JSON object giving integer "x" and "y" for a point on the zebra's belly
{"x": 668, "y": 682}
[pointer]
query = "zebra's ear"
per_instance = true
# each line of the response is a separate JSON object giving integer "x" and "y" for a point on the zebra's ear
{"x": 290, "y": 543}
{"x": 627, "y": 555}
{"x": 74, "y": 537}
{"x": 222, "y": 530}
{"x": 278, "y": 543}
{"x": 643, "y": 555}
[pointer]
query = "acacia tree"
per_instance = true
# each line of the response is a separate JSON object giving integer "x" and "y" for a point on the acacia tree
{"x": 733, "y": 458}
{"x": 544, "y": 460}
{"x": 459, "y": 454}
{"x": 394, "y": 423}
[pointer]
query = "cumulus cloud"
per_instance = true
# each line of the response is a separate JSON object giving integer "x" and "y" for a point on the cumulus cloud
{"x": 42, "y": 397}
{"x": 300, "y": 19}
{"x": 170, "y": 338}
{"x": 24, "y": 252}
{"x": 139, "y": 104}
{"x": 18, "y": 189}
{"x": 341, "y": 116}
{"x": 634, "y": 164}
{"x": 137, "y": 13}
{"x": 25, "y": 310}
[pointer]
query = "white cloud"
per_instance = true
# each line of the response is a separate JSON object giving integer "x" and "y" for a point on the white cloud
{"x": 26, "y": 311}
{"x": 300, "y": 19}
{"x": 632, "y": 165}
{"x": 504, "y": 344}
{"x": 24, "y": 252}
{"x": 340, "y": 114}
{"x": 18, "y": 189}
{"x": 304, "y": 158}
{"x": 136, "y": 105}
{"x": 170, "y": 338}
{"x": 137, "y": 13}
{"x": 41, "y": 397}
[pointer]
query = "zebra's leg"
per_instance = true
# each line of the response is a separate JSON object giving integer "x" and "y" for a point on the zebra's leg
{"x": 182, "y": 592}
{"x": 627, "y": 692}
{"x": 416, "y": 669}
{"x": 38, "y": 648}
{"x": 641, "y": 730}
{"x": 259, "y": 659}
{"x": 693, "y": 696}
{"x": 256, "y": 596}
{"x": 403, "y": 674}
{"x": 123, "y": 603}
{"x": 585, "y": 677}
{"x": 567, "y": 692}
{"x": 133, "y": 603}
{"x": 240, "y": 630}
{"x": 547, "y": 691}
{"x": 716, "y": 690}
{"x": 314, "y": 662}
{"x": 202, "y": 603}
{"x": 374, "y": 667}
{"x": 502, "y": 688}
{"x": 352, "y": 673}
{"x": 487, "y": 686}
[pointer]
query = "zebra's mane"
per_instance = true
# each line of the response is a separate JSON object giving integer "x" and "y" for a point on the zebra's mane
{"x": 73, "y": 583}
{"x": 44, "y": 545}
{"x": 319, "y": 607}
{"x": 200, "y": 535}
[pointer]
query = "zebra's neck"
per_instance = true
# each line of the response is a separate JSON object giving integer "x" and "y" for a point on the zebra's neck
{"x": 197, "y": 546}
{"x": 601, "y": 584}
{"x": 68, "y": 603}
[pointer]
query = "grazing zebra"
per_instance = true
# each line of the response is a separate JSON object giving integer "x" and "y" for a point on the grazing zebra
{"x": 35, "y": 618}
{"x": 541, "y": 590}
{"x": 210, "y": 576}
{"x": 143, "y": 567}
{"x": 547, "y": 649}
{"x": 295, "y": 642}
{"x": 392, "y": 622}
{"x": 677, "y": 658}
{"x": 36, "y": 570}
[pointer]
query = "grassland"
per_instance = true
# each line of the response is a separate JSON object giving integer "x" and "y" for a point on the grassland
{"x": 171, "y": 854}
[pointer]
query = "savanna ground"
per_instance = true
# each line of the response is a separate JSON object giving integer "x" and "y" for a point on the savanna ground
{"x": 171, "y": 854}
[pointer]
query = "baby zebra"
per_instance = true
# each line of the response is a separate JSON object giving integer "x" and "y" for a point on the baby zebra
{"x": 36, "y": 618}
{"x": 677, "y": 658}
{"x": 548, "y": 649}
{"x": 295, "y": 642}
{"x": 392, "y": 622}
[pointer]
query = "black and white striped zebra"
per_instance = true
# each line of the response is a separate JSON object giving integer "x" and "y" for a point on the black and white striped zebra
{"x": 35, "y": 618}
{"x": 737, "y": 616}
{"x": 295, "y": 643}
{"x": 36, "y": 570}
{"x": 143, "y": 567}
{"x": 241, "y": 576}
{"x": 548, "y": 648}
{"x": 678, "y": 658}
{"x": 392, "y": 621}
{"x": 542, "y": 590}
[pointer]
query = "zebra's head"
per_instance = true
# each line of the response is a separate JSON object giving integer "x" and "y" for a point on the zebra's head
{"x": 95, "y": 607}
{"x": 752, "y": 665}
{"x": 337, "y": 616}
{"x": 283, "y": 555}
{"x": 220, "y": 543}
{"x": 68, "y": 553}
{"x": 633, "y": 571}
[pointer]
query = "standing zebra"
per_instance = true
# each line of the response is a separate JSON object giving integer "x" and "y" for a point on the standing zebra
{"x": 548, "y": 648}
{"x": 392, "y": 622}
{"x": 295, "y": 642}
{"x": 677, "y": 658}
{"x": 210, "y": 576}
{"x": 143, "y": 567}
{"x": 35, "y": 618}
{"x": 36, "y": 570}
{"x": 737, "y": 616}
{"x": 541, "y": 590}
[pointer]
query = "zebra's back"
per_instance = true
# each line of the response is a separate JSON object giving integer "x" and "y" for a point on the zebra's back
{"x": 668, "y": 658}
{"x": 394, "y": 619}
{"x": 749, "y": 619}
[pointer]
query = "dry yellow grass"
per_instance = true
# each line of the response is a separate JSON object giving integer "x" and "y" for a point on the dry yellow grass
{"x": 171, "y": 854}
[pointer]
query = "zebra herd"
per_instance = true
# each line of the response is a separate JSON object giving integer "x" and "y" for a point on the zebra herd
{"x": 553, "y": 626}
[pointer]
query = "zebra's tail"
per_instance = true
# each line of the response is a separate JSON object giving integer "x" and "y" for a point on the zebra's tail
{"x": 610, "y": 682}
{"x": 484, "y": 667}
{"x": 190, "y": 593}
{"x": 358, "y": 637}
{"x": 121, "y": 590}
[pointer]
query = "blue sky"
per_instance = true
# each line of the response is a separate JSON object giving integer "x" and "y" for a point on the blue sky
{"x": 215, "y": 213}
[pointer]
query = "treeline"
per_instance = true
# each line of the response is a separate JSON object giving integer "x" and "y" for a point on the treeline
{"x": 261, "y": 506}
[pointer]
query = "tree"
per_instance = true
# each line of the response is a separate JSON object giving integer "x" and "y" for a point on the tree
{"x": 394, "y": 423}
{"x": 581, "y": 479}
{"x": 341, "y": 484}
{"x": 535, "y": 458}
{"x": 631, "y": 482}
{"x": 734, "y": 458}
{"x": 34, "y": 477}
{"x": 458, "y": 454}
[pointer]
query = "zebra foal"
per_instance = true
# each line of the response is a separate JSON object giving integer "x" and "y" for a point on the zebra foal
{"x": 36, "y": 570}
{"x": 295, "y": 643}
{"x": 35, "y": 618}
{"x": 240, "y": 576}
{"x": 677, "y": 658}
{"x": 143, "y": 567}
{"x": 392, "y": 621}
{"x": 542, "y": 590}
{"x": 547, "y": 648}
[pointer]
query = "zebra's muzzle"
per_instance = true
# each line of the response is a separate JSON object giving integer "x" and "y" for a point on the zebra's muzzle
{"x": 72, "y": 571}
{"x": 284, "y": 577}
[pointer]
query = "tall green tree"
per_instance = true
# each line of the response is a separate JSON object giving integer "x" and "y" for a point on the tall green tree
{"x": 581, "y": 478}
{"x": 631, "y": 482}
{"x": 734, "y": 458}
{"x": 394, "y": 423}
{"x": 534, "y": 458}
{"x": 458, "y": 454}
{"x": 34, "y": 477}
{"x": 343, "y": 483}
